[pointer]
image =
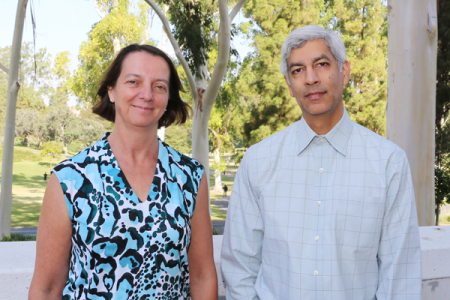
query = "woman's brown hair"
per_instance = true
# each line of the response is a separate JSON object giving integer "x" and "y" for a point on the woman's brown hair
{"x": 177, "y": 110}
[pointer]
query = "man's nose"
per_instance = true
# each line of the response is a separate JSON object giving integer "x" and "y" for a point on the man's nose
{"x": 311, "y": 77}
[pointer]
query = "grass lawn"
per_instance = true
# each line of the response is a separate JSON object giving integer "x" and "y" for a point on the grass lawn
{"x": 29, "y": 186}
{"x": 218, "y": 215}
{"x": 28, "y": 190}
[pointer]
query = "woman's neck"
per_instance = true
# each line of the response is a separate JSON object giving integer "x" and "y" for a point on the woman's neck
{"x": 135, "y": 143}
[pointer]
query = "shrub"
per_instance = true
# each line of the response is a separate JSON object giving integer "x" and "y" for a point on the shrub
{"x": 18, "y": 237}
{"x": 53, "y": 149}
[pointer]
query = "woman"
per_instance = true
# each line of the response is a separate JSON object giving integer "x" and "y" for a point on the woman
{"x": 122, "y": 219}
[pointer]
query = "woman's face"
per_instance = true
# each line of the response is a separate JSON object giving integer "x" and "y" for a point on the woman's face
{"x": 142, "y": 90}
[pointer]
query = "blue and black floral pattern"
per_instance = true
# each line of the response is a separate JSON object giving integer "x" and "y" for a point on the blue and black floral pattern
{"x": 123, "y": 248}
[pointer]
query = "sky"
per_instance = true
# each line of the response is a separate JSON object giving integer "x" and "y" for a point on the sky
{"x": 62, "y": 25}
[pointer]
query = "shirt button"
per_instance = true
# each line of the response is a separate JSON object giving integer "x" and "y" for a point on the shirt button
{"x": 321, "y": 170}
{"x": 318, "y": 203}
{"x": 322, "y": 140}
{"x": 316, "y": 238}
{"x": 316, "y": 273}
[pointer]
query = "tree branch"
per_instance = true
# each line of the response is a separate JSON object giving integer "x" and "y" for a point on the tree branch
{"x": 176, "y": 48}
{"x": 236, "y": 9}
{"x": 5, "y": 69}
{"x": 97, "y": 9}
{"x": 222, "y": 59}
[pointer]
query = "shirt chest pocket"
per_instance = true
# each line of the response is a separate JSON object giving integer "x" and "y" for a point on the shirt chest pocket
{"x": 358, "y": 220}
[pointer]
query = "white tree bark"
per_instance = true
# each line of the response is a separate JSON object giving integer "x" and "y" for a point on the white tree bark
{"x": 204, "y": 95}
{"x": 164, "y": 47}
{"x": 412, "y": 52}
{"x": 8, "y": 143}
{"x": 217, "y": 176}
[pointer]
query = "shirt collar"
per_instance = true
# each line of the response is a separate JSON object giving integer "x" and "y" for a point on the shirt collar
{"x": 338, "y": 137}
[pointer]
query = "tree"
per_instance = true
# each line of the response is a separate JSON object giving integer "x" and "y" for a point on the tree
{"x": 221, "y": 123}
{"x": 28, "y": 123}
{"x": 192, "y": 22}
{"x": 269, "y": 107}
{"x": 53, "y": 149}
{"x": 62, "y": 125}
{"x": 362, "y": 25}
{"x": 179, "y": 137}
{"x": 442, "y": 149}
{"x": 8, "y": 144}
{"x": 118, "y": 27}
{"x": 363, "y": 28}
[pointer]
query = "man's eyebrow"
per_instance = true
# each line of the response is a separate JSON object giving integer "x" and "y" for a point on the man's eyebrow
{"x": 322, "y": 56}
{"x": 300, "y": 64}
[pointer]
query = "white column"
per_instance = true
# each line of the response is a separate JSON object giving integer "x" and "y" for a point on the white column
{"x": 412, "y": 34}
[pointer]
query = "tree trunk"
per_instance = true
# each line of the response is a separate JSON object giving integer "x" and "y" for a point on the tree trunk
{"x": 437, "y": 211}
{"x": 217, "y": 173}
{"x": 8, "y": 144}
{"x": 412, "y": 52}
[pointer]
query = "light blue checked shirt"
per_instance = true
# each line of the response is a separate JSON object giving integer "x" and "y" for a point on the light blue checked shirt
{"x": 323, "y": 217}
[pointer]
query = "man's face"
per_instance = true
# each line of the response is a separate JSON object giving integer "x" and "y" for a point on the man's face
{"x": 315, "y": 79}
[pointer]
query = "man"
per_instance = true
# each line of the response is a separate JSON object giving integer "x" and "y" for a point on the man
{"x": 323, "y": 209}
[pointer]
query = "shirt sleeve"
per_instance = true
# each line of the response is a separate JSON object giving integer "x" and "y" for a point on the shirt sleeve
{"x": 399, "y": 254}
{"x": 243, "y": 238}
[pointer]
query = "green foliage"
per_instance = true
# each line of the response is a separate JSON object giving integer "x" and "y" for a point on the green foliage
{"x": 18, "y": 237}
{"x": 76, "y": 146}
{"x": 98, "y": 52}
{"x": 267, "y": 99}
{"x": 179, "y": 137}
{"x": 237, "y": 157}
{"x": 192, "y": 22}
{"x": 53, "y": 149}
{"x": 362, "y": 26}
{"x": 442, "y": 149}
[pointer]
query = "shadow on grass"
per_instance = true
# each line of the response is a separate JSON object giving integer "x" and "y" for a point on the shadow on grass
{"x": 31, "y": 182}
{"x": 25, "y": 211}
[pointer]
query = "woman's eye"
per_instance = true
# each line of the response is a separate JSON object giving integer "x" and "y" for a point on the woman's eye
{"x": 132, "y": 81}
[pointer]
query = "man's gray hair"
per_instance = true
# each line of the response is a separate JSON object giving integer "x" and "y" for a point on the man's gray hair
{"x": 299, "y": 36}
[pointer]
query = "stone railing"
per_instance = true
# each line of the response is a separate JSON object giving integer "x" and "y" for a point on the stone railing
{"x": 17, "y": 264}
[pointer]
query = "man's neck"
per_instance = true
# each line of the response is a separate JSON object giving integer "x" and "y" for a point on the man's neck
{"x": 322, "y": 124}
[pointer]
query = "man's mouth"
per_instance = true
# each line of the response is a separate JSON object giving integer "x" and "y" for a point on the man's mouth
{"x": 315, "y": 95}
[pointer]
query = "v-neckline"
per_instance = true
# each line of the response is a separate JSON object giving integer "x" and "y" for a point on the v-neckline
{"x": 125, "y": 180}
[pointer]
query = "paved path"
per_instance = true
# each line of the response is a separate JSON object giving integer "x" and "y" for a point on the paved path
{"x": 27, "y": 231}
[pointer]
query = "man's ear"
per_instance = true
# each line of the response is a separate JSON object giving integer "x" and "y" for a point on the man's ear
{"x": 346, "y": 72}
{"x": 289, "y": 86}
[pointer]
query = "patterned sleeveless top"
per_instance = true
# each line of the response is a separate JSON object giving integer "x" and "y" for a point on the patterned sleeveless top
{"x": 123, "y": 248}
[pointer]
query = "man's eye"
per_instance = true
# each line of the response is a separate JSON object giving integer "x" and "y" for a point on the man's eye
{"x": 322, "y": 64}
{"x": 297, "y": 70}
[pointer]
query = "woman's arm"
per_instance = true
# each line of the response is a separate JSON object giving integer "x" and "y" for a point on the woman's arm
{"x": 200, "y": 255}
{"x": 53, "y": 245}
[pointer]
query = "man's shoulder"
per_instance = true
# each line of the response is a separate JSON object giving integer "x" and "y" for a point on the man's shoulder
{"x": 374, "y": 142}
{"x": 274, "y": 145}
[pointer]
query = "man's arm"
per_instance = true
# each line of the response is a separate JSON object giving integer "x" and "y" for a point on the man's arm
{"x": 243, "y": 238}
{"x": 399, "y": 255}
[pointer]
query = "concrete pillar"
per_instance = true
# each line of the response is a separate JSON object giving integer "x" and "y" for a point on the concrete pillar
{"x": 412, "y": 37}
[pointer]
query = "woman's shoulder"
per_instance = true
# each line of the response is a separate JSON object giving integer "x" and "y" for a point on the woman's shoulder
{"x": 181, "y": 159}
{"x": 86, "y": 156}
